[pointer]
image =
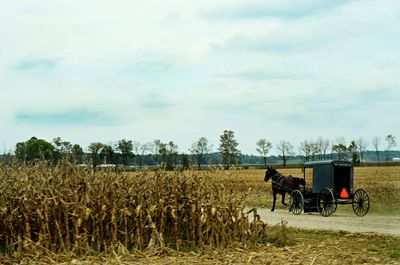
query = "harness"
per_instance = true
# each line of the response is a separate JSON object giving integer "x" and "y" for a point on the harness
{"x": 284, "y": 186}
{"x": 275, "y": 181}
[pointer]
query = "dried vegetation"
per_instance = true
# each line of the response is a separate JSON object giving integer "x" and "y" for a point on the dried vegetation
{"x": 69, "y": 215}
{"x": 66, "y": 209}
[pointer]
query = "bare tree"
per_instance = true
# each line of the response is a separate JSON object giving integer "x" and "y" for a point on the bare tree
{"x": 340, "y": 147}
{"x": 315, "y": 150}
{"x": 143, "y": 150}
{"x": 171, "y": 155}
{"x": 322, "y": 146}
{"x": 391, "y": 142}
{"x": 156, "y": 147}
{"x": 286, "y": 150}
{"x": 376, "y": 141}
{"x": 362, "y": 146}
{"x": 305, "y": 150}
{"x": 263, "y": 148}
{"x": 325, "y": 145}
{"x": 352, "y": 149}
{"x": 140, "y": 150}
{"x": 136, "y": 148}
{"x": 199, "y": 149}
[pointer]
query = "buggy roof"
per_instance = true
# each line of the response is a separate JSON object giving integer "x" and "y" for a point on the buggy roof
{"x": 343, "y": 163}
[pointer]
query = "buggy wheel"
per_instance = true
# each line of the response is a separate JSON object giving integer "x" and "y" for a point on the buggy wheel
{"x": 335, "y": 207}
{"x": 326, "y": 202}
{"x": 360, "y": 202}
{"x": 296, "y": 202}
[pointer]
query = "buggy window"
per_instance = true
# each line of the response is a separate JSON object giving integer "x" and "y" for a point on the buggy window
{"x": 342, "y": 178}
{"x": 308, "y": 175}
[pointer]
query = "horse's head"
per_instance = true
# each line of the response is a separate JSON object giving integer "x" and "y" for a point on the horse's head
{"x": 270, "y": 173}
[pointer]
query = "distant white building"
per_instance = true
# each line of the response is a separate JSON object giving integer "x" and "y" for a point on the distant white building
{"x": 396, "y": 159}
{"x": 106, "y": 166}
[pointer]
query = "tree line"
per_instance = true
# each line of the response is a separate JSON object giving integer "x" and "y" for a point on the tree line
{"x": 323, "y": 149}
{"x": 165, "y": 155}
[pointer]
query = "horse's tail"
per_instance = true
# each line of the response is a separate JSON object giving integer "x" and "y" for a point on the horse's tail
{"x": 298, "y": 181}
{"x": 302, "y": 181}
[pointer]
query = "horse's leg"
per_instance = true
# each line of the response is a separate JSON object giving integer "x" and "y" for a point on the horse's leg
{"x": 283, "y": 198}
{"x": 274, "y": 199}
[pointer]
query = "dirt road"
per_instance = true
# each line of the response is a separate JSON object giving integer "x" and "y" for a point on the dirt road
{"x": 344, "y": 221}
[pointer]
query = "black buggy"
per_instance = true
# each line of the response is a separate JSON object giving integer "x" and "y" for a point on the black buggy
{"x": 332, "y": 184}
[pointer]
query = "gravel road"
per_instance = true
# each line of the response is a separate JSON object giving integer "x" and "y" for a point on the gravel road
{"x": 389, "y": 224}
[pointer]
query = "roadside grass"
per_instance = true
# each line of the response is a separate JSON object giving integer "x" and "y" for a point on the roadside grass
{"x": 302, "y": 247}
{"x": 395, "y": 253}
{"x": 368, "y": 247}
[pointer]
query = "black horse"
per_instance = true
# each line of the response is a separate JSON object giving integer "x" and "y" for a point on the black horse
{"x": 282, "y": 184}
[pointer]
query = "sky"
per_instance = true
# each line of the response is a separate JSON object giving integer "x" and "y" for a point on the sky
{"x": 179, "y": 70}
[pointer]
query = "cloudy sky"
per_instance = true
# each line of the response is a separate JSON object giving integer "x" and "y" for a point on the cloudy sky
{"x": 177, "y": 70}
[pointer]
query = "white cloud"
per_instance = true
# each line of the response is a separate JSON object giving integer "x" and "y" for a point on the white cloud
{"x": 187, "y": 69}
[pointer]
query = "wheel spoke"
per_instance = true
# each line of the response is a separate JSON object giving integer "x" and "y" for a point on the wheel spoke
{"x": 365, "y": 207}
{"x": 358, "y": 210}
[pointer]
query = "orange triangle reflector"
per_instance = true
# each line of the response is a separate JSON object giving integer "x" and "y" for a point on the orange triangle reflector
{"x": 344, "y": 193}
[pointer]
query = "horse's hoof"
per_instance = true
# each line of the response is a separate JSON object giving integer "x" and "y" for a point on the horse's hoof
{"x": 272, "y": 210}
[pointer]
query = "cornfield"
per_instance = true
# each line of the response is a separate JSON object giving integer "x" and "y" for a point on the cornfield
{"x": 63, "y": 209}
